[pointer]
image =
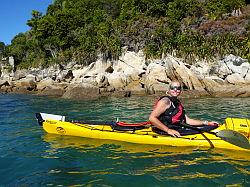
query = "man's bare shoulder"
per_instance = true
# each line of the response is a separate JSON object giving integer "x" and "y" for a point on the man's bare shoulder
{"x": 165, "y": 100}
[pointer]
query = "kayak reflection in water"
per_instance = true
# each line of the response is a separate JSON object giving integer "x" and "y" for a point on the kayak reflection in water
{"x": 168, "y": 113}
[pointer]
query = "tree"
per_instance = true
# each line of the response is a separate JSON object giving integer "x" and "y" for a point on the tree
{"x": 2, "y": 48}
{"x": 36, "y": 16}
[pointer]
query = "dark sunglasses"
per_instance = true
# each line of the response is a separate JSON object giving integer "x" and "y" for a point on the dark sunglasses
{"x": 175, "y": 87}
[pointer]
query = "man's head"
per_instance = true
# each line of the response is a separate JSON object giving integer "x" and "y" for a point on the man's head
{"x": 175, "y": 88}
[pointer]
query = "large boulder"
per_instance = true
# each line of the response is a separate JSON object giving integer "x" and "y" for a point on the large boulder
{"x": 231, "y": 64}
{"x": 212, "y": 83}
{"x": 117, "y": 80}
{"x": 25, "y": 84}
{"x": 49, "y": 87}
{"x": 239, "y": 68}
{"x": 185, "y": 75}
{"x": 130, "y": 60}
{"x": 232, "y": 91}
{"x": 131, "y": 64}
{"x": 31, "y": 77}
{"x": 5, "y": 86}
{"x": 89, "y": 80}
{"x": 78, "y": 74}
{"x": 221, "y": 69}
{"x": 97, "y": 67}
{"x": 102, "y": 81}
{"x": 65, "y": 76}
{"x": 235, "y": 78}
{"x": 55, "y": 91}
{"x": 156, "y": 77}
{"x": 20, "y": 74}
{"x": 201, "y": 69}
{"x": 4, "y": 83}
{"x": 81, "y": 92}
{"x": 45, "y": 83}
{"x": 136, "y": 87}
{"x": 189, "y": 79}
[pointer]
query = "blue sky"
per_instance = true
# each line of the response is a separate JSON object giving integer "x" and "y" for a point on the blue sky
{"x": 14, "y": 15}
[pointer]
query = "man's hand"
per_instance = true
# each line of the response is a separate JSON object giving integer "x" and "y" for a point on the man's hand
{"x": 213, "y": 123}
{"x": 173, "y": 133}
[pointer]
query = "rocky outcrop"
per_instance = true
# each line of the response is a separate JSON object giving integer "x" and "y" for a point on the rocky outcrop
{"x": 81, "y": 92}
{"x": 231, "y": 91}
{"x": 132, "y": 74}
{"x": 156, "y": 77}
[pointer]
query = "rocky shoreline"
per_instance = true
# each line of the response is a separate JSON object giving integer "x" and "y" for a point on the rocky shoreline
{"x": 132, "y": 75}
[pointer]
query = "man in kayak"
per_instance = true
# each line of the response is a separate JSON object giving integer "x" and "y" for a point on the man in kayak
{"x": 169, "y": 112}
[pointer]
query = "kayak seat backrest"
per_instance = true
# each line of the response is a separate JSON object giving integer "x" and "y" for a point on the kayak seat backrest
{"x": 124, "y": 127}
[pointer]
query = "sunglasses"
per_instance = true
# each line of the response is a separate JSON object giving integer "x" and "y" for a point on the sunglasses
{"x": 175, "y": 87}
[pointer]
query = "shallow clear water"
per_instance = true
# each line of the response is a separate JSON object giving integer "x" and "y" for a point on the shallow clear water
{"x": 29, "y": 156}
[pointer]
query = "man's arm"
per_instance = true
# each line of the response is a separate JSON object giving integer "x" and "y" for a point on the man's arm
{"x": 199, "y": 122}
{"x": 161, "y": 106}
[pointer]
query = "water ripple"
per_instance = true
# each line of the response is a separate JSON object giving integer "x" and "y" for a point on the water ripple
{"x": 30, "y": 157}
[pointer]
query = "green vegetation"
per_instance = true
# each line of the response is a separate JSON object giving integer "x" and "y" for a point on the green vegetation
{"x": 81, "y": 30}
{"x": 2, "y": 48}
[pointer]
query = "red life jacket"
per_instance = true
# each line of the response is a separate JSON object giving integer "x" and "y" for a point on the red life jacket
{"x": 174, "y": 114}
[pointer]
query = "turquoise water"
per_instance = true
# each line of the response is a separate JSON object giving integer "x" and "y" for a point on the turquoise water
{"x": 31, "y": 157}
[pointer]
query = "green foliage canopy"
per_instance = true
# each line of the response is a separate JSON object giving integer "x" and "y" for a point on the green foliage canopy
{"x": 81, "y": 30}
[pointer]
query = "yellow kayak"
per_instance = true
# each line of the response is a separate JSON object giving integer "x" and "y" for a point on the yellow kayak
{"x": 225, "y": 136}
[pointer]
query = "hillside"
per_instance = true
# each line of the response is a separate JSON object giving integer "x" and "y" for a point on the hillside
{"x": 82, "y": 30}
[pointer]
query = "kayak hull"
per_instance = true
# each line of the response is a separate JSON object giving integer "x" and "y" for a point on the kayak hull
{"x": 144, "y": 136}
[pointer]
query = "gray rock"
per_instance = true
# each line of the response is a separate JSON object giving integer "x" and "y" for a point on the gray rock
{"x": 25, "y": 84}
{"x": 20, "y": 74}
{"x": 232, "y": 91}
{"x": 4, "y": 83}
{"x": 241, "y": 69}
{"x": 235, "y": 78}
{"x": 236, "y": 60}
{"x": 80, "y": 92}
{"x": 102, "y": 81}
{"x": 222, "y": 69}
